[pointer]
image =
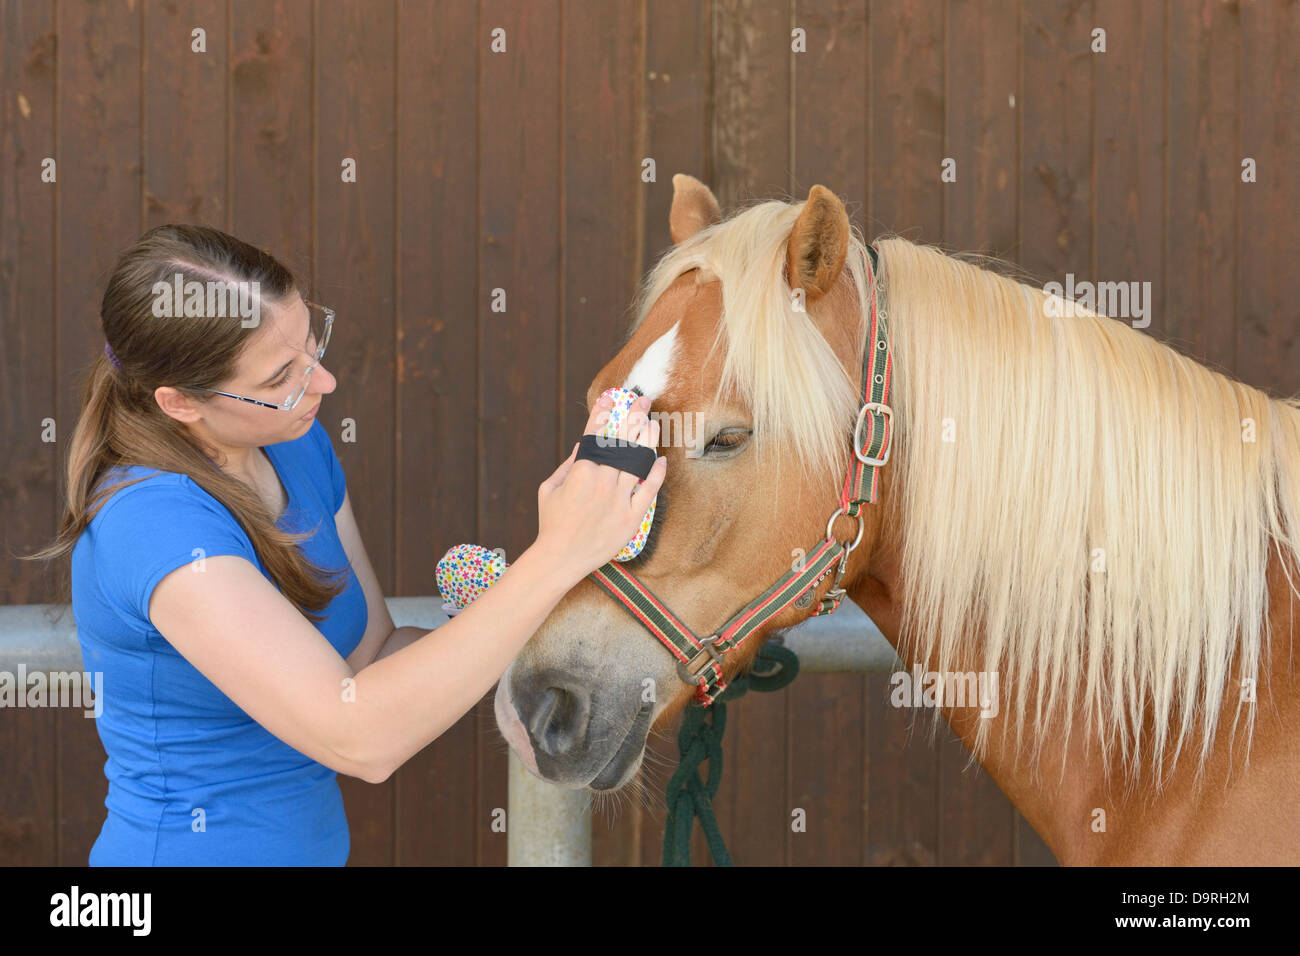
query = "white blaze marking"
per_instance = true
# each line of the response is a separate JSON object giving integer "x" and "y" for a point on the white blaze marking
{"x": 651, "y": 371}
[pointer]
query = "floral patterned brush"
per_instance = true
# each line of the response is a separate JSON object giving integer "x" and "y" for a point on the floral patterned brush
{"x": 467, "y": 570}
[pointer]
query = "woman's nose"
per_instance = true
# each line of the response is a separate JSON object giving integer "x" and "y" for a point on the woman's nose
{"x": 322, "y": 381}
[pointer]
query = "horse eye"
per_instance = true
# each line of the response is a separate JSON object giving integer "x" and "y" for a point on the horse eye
{"x": 727, "y": 439}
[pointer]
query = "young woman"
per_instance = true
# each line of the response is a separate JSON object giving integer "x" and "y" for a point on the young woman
{"x": 220, "y": 584}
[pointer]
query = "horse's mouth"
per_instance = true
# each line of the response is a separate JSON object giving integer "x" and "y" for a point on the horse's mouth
{"x": 628, "y": 751}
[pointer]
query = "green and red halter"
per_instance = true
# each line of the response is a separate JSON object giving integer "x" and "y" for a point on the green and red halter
{"x": 700, "y": 660}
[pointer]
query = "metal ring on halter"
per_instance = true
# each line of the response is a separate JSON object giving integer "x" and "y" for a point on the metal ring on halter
{"x": 857, "y": 428}
{"x": 861, "y": 527}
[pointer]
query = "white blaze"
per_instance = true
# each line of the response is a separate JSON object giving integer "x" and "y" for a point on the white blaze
{"x": 651, "y": 371}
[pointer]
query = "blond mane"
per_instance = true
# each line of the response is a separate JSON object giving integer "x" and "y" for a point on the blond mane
{"x": 1098, "y": 506}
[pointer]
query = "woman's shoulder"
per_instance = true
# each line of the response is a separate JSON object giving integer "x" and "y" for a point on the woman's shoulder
{"x": 148, "y": 528}
{"x": 121, "y": 480}
{"x": 139, "y": 499}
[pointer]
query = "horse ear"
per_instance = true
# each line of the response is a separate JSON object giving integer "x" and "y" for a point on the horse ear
{"x": 819, "y": 244}
{"x": 694, "y": 207}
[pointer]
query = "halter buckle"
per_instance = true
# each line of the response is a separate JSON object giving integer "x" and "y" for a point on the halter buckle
{"x": 858, "y": 448}
{"x": 684, "y": 667}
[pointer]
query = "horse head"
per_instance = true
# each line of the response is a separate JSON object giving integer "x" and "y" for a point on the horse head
{"x": 749, "y": 339}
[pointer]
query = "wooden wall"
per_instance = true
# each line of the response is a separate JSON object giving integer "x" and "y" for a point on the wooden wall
{"x": 521, "y": 170}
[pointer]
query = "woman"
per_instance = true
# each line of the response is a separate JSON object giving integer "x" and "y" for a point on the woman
{"x": 220, "y": 584}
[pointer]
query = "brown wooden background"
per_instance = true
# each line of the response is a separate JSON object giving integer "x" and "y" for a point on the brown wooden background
{"x": 522, "y": 171}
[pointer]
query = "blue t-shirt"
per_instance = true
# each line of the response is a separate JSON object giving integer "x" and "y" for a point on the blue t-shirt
{"x": 176, "y": 744}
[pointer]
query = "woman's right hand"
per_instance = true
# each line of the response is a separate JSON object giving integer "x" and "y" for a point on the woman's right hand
{"x": 587, "y": 512}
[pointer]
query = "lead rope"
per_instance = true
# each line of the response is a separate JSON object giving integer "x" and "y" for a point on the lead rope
{"x": 700, "y": 739}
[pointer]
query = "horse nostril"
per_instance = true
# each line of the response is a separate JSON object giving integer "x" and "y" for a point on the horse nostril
{"x": 555, "y": 718}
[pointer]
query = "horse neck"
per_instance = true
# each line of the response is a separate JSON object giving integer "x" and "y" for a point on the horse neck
{"x": 1060, "y": 796}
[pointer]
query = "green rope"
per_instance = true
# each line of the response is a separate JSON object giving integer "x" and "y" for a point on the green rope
{"x": 700, "y": 739}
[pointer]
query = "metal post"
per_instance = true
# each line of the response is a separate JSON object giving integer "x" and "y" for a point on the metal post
{"x": 545, "y": 825}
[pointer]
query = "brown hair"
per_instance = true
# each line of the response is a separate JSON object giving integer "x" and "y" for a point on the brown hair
{"x": 120, "y": 421}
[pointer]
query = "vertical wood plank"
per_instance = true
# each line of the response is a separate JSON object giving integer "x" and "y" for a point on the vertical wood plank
{"x": 28, "y": 301}
{"x": 270, "y": 136}
{"x": 1055, "y": 205}
{"x": 982, "y": 123}
{"x": 827, "y": 719}
{"x": 99, "y": 214}
{"x": 752, "y": 64}
{"x": 1203, "y": 182}
{"x": 677, "y": 111}
{"x": 520, "y": 215}
{"x": 907, "y": 110}
{"x": 28, "y": 297}
{"x": 976, "y": 823}
{"x": 832, "y": 102}
{"x": 1130, "y": 150}
{"x": 1268, "y": 318}
{"x": 907, "y": 140}
{"x": 354, "y": 256}
{"x": 185, "y": 113}
{"x": 827, "y": 743}
{"x": 437, "y": 358}
{"x": 902, "y": 770}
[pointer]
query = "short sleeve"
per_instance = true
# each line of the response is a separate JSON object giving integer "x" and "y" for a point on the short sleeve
{"x": 148, "y": 530}
{"x": 334, "y": 467}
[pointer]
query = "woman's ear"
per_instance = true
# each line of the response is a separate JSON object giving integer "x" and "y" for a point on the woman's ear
{"x": 175, "y": 404}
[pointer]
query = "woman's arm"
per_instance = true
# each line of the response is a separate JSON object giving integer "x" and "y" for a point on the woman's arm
{"x": 232, "y": 624}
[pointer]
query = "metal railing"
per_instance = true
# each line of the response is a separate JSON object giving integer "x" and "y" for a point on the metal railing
{"x": 546, "y": 825}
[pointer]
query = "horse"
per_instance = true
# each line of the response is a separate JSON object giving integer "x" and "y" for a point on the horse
{"x": 1104, "y": 525}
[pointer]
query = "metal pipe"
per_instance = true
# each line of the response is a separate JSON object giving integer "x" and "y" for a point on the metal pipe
{"x": 44, "y": 637}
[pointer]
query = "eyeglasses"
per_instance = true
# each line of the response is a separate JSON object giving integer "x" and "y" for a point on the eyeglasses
{"x": 321, "y": 324}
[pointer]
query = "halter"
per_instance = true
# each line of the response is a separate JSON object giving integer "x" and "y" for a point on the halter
{"x": 700, "y": 660}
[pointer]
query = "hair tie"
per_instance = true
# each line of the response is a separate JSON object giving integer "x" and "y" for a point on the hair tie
{"x": 108, "y": 350}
